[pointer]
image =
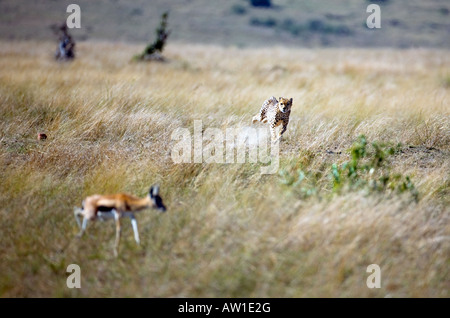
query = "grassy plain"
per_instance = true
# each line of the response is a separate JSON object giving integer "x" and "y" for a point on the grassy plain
{"x": 229, "y": 231}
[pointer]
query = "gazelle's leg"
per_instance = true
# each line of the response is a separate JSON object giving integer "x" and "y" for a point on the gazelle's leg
{"x": 77, "y": 213}
{"x": 83, "y": 227}
{"x": 135, "y": 229}
{"x": 85, "y": 222}
{"x": 118, "y": 232}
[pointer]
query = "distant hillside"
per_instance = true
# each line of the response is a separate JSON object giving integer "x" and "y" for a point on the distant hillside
{"x": 405, "y": 23}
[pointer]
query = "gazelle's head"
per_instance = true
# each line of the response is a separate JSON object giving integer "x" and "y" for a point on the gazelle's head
{"x": 156, "y": 199}
{"x": 284, "y": 104}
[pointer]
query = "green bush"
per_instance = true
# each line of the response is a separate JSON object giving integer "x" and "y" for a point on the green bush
{"x": 368, "y": 170}
{"x": 304, "y": 183}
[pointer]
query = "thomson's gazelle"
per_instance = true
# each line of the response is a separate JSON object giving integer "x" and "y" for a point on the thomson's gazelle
{"x": 116, "y": 206}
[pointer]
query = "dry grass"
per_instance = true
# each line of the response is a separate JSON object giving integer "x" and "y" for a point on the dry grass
{"x": 229, "y": 231}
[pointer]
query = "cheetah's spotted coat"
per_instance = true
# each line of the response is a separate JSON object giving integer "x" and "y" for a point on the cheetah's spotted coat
{"x": 275, "y": 112}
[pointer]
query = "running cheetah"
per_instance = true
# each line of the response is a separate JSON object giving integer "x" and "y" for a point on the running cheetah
{"x": 275, "y": 112}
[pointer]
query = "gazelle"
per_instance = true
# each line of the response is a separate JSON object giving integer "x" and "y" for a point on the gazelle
{"x": 117, "y": 206}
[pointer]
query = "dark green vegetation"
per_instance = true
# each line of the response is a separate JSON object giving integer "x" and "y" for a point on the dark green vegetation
{"x": 154, "y": 49}
{"x": 368, "y": 170}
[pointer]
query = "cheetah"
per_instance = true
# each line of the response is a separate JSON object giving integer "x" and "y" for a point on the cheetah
{"x": 275, "y": 112}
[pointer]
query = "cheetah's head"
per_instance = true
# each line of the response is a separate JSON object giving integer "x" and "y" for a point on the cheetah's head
{"x": 284, "y": 104}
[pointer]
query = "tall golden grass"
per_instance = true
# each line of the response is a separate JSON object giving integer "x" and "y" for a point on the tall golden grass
{"x": 229, "y": 231}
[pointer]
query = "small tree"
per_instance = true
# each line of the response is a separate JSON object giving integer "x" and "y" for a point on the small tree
{"x": 153, "y": 51}
{"x": 66, "y": 44}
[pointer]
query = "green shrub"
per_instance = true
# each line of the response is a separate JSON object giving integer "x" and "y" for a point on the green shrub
{"x": 304, "y": 183}
{"x": 368, "y": 170}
